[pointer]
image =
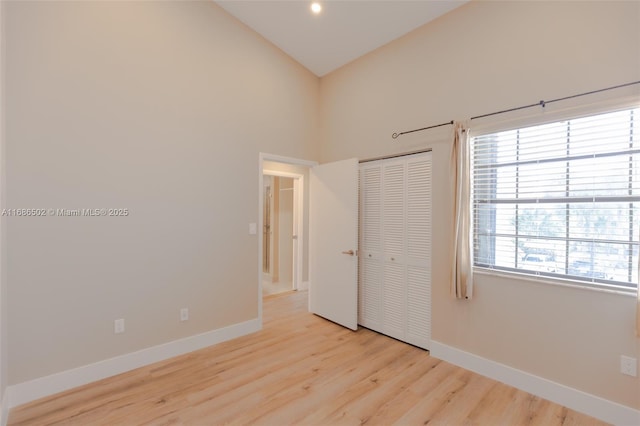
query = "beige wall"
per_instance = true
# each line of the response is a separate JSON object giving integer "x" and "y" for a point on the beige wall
{"x": 158, "y": 107}
{"x": 483, "y": 57}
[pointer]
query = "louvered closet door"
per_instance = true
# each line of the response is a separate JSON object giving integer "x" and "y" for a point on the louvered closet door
{"x": 393, "y": 239}
{"x": 370, "y": 244}
{"x": 395, "y": 247}
{"x": 418, "y": 250}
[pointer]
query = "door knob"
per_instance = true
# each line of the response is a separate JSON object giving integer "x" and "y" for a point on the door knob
{"x": 349, "y": 252}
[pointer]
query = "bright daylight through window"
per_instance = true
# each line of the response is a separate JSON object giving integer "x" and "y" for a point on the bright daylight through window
{"x": 560, "y": 199}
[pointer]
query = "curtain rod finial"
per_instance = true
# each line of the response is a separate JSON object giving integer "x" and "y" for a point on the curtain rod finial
{"x": 395, "y": 135}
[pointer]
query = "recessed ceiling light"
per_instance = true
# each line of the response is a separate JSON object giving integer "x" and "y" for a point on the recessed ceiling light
{"x": 316, "y": 7}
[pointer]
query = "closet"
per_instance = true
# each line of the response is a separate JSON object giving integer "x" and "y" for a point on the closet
{"x": 394, "y": 283}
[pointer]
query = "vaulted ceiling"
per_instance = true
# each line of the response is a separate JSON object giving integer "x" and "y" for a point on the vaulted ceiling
{"x": 343, "y": 31}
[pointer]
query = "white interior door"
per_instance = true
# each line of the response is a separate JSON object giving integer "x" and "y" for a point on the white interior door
{"x": 333, "y": 243}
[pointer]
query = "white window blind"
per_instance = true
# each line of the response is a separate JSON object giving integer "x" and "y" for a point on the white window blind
{"x": 560, "y": 199}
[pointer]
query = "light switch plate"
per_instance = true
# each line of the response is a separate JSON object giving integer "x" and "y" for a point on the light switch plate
{"x": 118, "y": 326}
{"x": 253, "y": 229}
{"x": 629, "y": 366}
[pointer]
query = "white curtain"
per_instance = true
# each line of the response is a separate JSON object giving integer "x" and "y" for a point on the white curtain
{"x": 461, "y": 259}
{"x": 638, "y": 314}
{"x": 638, "y": 303}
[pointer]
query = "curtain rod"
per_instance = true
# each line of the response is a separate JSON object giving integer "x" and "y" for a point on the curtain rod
{"x": 541, "y": 103}
{"x": 395, "y": 135}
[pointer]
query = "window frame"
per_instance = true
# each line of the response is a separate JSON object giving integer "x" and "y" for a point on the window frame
{"x": 547, "y": 115}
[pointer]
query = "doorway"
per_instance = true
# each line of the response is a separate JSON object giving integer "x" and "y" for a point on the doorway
{"x": 271, "y": 166}
{"x": 278, "y": 232}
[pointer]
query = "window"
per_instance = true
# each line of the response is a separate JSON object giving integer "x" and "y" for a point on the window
{"x": 560, "y": 199}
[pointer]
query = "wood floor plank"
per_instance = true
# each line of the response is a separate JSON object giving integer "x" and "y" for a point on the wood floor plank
{"x": 299, "y": 370}
{"x": 321, "y": 389}
{"x": 491, "y": 409}
{"x": 288, "y": 381}
{"x": 366, "y": 396}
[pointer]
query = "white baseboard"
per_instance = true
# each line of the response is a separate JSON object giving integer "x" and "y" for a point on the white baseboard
{"x": 4, "y": 408}
{"x": 304, "y": 285}
{"x": 44, "y": 386}
{"x": 574, "y": 399}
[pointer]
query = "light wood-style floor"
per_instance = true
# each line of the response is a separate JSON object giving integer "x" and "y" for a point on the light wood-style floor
{"x": 299, "y": 370}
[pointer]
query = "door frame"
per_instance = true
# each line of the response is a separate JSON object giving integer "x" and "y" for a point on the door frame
{"x": 298, "y": 216}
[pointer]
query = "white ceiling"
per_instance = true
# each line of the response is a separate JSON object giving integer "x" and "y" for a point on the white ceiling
{"x": 342, "y": 32}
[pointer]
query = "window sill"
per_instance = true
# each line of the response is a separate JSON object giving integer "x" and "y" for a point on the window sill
{"x": 553, "y": 281}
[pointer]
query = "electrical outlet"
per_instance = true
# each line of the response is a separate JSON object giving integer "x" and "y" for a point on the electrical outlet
{"x": 118, "y": 326}
{"x": 628, "y": 366}
{"x": 184, "y": 314}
